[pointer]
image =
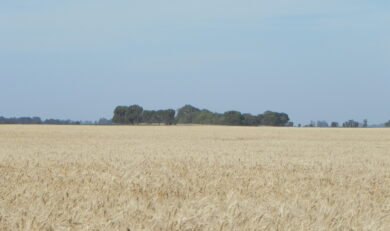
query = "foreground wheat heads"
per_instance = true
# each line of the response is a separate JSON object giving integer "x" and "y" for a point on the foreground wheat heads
{"x": 193, "y": 178}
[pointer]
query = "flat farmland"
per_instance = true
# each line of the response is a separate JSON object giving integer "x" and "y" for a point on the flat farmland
{"x": 193, "y": 178}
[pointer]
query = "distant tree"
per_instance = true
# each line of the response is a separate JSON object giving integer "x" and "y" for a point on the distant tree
{"x": 120, "y": 115}
{"x": 133, "y": 114}
{"x": 28, "y": 120}
{"x": 128, "y": 115}
{"x": 387, "y": 124}
{"x": 270, "y": 118}
{"x": 232, "y": 118}
{"x": 187, "y": 114}
{"x": 205, "y": 117}
{"x": 37, "y": 120}
{"x": 259, "y": 119}
{"x": 283, "y": 119}
{"x": 290, "y": 124}
{"x": 311, "y": 124}
{"x": 51, "y": 121}
{"x": 161, "y": 116}
{"x": 351, "y": 124}
{"x": 192, "y": 115}
{"x": 149, "y": 117}
{"x": 365, "y": 123}
{"x": 334, "y": 124}
{"x": 168, "y": 116}
{"x": 21, "y": 120}
{"x": 158, "y": 116}
{"x": 322, "y": 124}
{"x": 87, "y": 122}
{"x": 104, "y": 121}
{"x": 57, "y": 121}
{"x": 249, "y": 120}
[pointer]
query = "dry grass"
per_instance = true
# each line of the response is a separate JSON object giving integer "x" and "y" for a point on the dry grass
{"x": 193, "y": 178}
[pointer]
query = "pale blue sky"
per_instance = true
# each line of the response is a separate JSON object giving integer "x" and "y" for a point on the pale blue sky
{"x": 313, "y": 59}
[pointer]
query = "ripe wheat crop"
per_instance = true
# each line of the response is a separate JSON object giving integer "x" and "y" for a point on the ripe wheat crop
{"x": 193, "y": 178}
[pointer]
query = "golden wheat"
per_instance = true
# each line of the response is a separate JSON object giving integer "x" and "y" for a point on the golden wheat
{"x": 193, "y": 178}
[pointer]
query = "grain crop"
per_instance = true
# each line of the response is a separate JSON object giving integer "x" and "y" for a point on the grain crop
{"x": 193, "y": 178}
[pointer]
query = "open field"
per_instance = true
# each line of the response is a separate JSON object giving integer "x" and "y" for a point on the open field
{"x": 193, "y": 178}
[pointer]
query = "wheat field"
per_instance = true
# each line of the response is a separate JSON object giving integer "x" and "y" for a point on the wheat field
{"x": 193, "y": 178}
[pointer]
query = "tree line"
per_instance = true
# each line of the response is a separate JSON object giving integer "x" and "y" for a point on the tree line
{"x": 346, "y": 124}
{"x": 189, "y": 114}
{"x": 38, "y": 120}
{"x": 34, "y": 120}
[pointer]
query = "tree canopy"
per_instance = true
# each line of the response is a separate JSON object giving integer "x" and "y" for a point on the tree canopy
{"x": 351, "y": 124}
{"x": 189, "y": 114}
{"x": 34, "y": 120}
{"x": 135, "y": 114}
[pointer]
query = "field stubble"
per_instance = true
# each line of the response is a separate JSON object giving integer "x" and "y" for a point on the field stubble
{"x": 193, "y": 178}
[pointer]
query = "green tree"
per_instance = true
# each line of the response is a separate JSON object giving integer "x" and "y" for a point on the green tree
{"x": 259, "y": 119}
{"x": 187, "y": 114}
{"x": 283, "y": 119}
{"x": 249, "y": 120}
{"x": 322, "y": 124}
{"x": 134, "y": 114}
{"x": 120, "y": 115}
{"x": 232, "y": 118}
{"x": 191, "y": 115}
{"x": 351, "y": 124}
{"x": 270, "y": 118}
{"x": 168, "y": 116}
{"x": 149, "y": 117}
{"x": 161, "y": 116}
{"x": 205, "y": 117}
